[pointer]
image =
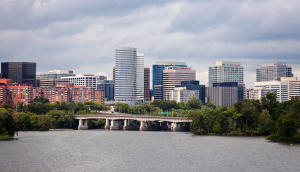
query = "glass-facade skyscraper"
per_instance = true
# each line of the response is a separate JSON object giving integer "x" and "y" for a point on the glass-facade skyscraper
{"x": 226, "y": 72}
{"x": 158, "y": 70}
{"x": 20, "y": 72}
{"x": 129, "y": 76}
{"x": 272, "y": 71}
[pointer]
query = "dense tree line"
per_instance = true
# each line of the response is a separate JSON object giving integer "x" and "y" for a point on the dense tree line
{"x": 281, "y": 121}
{"x": 42, "y": 115}
{"x": 176, "y": 109}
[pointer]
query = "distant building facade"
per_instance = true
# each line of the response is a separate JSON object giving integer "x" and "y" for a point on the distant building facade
{"x": 181, "y": 94}
{"x": 260, "y": 92}
{"x": 226, "y": 72}
{"x": 158, "y": 70}
{"x": 293, "y": 86}
{"x": 12, "y": 93}
{"x": 67, "y": 92}
{"x": 280, "y": 87}
{"x": 129, "y": 76}
{"x": 224, "y": 94}
{"x": 146, "y": 84}
{"x": 273, "y": 71}
{"x": 174, "y": 75}
{"x": 20, "y": 72}
{"x": 88, "y": 81}
{"x": 158, "y": 92}
{"x": 194, "y": 85}
{"x": 108, "y": 87}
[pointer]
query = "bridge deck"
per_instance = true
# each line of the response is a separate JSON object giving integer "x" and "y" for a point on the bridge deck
{"x": 132, "y": 117}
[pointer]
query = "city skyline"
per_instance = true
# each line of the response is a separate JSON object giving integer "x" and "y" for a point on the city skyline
{"x": 82, "y": 36}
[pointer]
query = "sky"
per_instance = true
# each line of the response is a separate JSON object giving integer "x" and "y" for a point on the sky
{"x": 82, "y": 35}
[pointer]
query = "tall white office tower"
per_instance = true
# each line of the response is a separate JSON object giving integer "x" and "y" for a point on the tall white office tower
{"x": 272, "y": 71}
{"x": 226, "y": 72}
{"x": 140, "y": 77}
{"x": 129, "y": 76}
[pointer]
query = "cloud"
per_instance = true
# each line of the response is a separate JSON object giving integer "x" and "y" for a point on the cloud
{"x": 82, "y": 36}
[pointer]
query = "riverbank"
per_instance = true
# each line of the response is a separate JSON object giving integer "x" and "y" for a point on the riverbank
{"x": 5, "y": 137}
{"x": 60, "y": 129}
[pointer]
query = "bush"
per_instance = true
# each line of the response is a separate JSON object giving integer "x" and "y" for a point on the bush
{"x": 6, "y": 137}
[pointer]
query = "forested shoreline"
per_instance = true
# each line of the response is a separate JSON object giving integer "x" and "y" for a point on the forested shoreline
{"x": 267, "y": 117}
{"x": 41, "y": 115}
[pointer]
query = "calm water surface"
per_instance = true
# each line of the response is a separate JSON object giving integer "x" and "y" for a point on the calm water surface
{"x": 100, "y": 150}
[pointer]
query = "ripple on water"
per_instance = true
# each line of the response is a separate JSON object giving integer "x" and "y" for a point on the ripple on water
{"x": 100, "y": 150}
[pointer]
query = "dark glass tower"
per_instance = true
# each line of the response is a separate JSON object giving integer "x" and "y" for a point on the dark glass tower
{"x": 19, "y": 72}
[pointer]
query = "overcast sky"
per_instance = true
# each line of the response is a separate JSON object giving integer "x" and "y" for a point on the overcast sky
{"x": 82, "y": 35}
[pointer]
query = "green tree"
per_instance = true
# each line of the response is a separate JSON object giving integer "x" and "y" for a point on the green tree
{"x": 41, "y": 99}
{"x": 266, "y": 124}
{"x": 44, "y": 123}
{"x": 194, "y": 103}
{"x": 270, "y": 103}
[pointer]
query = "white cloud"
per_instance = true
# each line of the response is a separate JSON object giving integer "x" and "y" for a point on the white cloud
{"x": 82, "y": 36}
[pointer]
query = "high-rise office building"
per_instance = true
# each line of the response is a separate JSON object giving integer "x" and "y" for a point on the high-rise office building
{"x": 114, "y": 79}
{"x": 194, "y": 85}
{"x": 158, "y": 70}
{"x": 129, "y": 76}
{"x": 174, "y": 75}
{"x": 226, "y": 72}
{"x": 147, "y": 84}
{"x": 280, "y": 87}
{"x": 20, "y": 72}
{"x": 272, "y": 71}
{"x": 293, "y": 86}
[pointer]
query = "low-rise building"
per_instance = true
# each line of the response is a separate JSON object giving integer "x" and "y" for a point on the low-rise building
{"x": 181, "y": 94}
{"x": 13, "y": 93}
{"x": 225, "y": 93}
{"x": 194, "y": 85}
{"x": 293, "y": 86}
{"x": 87, "y": 80}
{"x": 280, "y": 87}
{"x": 67, "y": 92}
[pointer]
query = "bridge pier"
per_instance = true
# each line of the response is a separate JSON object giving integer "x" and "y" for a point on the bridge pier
{"x": 127, "y": 125}
{"x": 82, "y": 126}
{"x": 177, "y": 126}
{"x": 107, "y": 125}
{"x": 144, "y": 126}
{"x": 115, "y": 124}
{"x": 163, "y": 126}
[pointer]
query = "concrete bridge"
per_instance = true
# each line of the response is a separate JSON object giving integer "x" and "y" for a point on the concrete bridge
{"x": 135, "y": 122}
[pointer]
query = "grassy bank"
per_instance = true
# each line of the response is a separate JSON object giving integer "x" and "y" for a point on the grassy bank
{"x": 5, "y": 137}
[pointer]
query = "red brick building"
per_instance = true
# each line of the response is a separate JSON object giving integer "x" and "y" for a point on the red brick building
{"x": 68, "y": 93}
{"x": 12, "y": 93}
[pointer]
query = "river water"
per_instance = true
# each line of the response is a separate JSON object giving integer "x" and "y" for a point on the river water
{"x": 101, "y": 150}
